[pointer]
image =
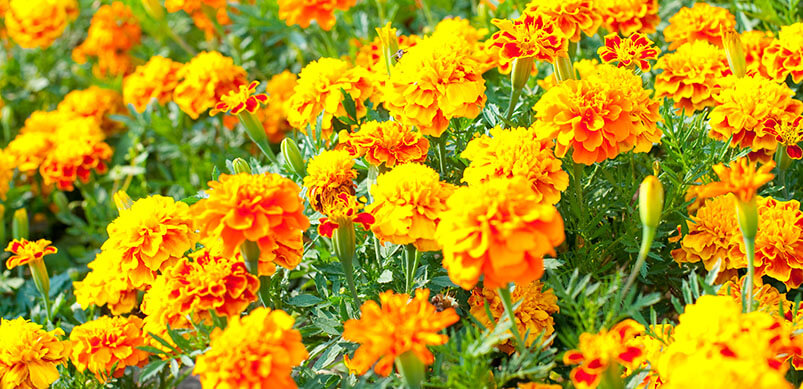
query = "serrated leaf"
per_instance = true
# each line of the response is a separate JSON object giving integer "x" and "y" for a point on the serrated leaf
{"x": 304, "y": 300}
{"x": 151, "y": 370}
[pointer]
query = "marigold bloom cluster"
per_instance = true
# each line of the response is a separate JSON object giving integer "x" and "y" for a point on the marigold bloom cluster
{"x": 25, "y": 251}
{"x": 533, "y": 316}
{"x": 652, "y": 344}
{"x": 385, "y": 144}
{"x": 742, "y": 178}
{"x": 779, "y": 244}
{"x": 530, "y": 36}
{"x": 785, "y": 55}
{"x": 701, "y": 22}
{"x": 256, "y": 351}
{"x": 630, "y": 52}
{"x": 629, "y": 16}
{"x": 457, "y": 34}
{"x": 598, "y": 352}
{"x": 96, "y": 103}
{"x": 500, "y": 229}
{"x": 261, "y": 208}
{"x": 242, "y": 99}
{"x": 106, "y": 343}
{"x": 766, "y": 297}
{"x": 690, "y": 75}
{"x": 396, "y": 325}
{"x": 37, "y": 23}
{"x": 713, "y": 237}
{"x": 35, "y": 139}
{"x": 155, "y": 80}
{"x": 571, "y": 17}
{"x": 29, "y": 354}
{"x": 113, "y": 32}
{"x": 106, "y": 285}
{"x": 274, "y": 115}
{"x": 303, "y": 12}
{"x": 204, "y": 80}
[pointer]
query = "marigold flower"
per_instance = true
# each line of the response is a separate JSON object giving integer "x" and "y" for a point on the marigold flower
{"x": 779, "y": 245}
{"x": 571, "y": 17}
{"x": 258, "y": 350}
{"x": 302, "y": 13}
{"x": 261, "y": 208}
{"x": 243, "y": 99}
{"x": 766, "y": 296}
{"x": 7, "y": 163}
{"x": 156, "y": 79}
{"x": 516, "y": 152}
{"x": 371, "y": 56}
{"x": 482, "y": 233}
{"x": 114, "y": 30}
{"x": 106, "y": 343}
{"x": 533, "y": 316}
{"x": 652, "y": 344}
{"x": 274, "y": 115}
{"x": 106, "y": 284}
{"x": 713, "y": 237}
{"x": 204, "y": 80}
{"x": 597, "y": 352}
{"x": 329, "y": 174}
{"x": 690, "y": 75}
{"x": 700, "y": 22}
{"x": 75, "y": 154}
{"x": 341, "y": 210}
{"x": 319, "y": 90}
{"x": 530, "y": 36}
{"x": 788, "y": 132}
{"x": 387, "y": 143}
{"x": 633, "y": 51}
{"x": 629, "y": 16}
{"x": 408, "y": 203}
{"x": 458, "y": 35}
{"x": 755, "y": 43}
{"x": 96, "y": 103}
{"x": 37, "y": 23}
{"x": 785, "y": 55}
{"x": 29, "y": 355}
{"x": 35, "y": 140}
{"x": 742, "y": 178}
{"x": 599, "y": 117}
{"x": 26, "y": 251}
{"x": 394, "y": 326}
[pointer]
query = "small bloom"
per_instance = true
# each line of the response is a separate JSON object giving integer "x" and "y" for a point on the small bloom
{"x": 789, "y": 133}
{"x": 690, "y": 75}
{"x": 37, "y": 23}
{"x": 155, "y": 80}
{"x": 114, "y": 31}
{"x": 629, "y": 16}
{"x": 529, "y": 36}
{"x": 713, "y": 237}
{"x": 385, "y": 144}
{"x": 106, "y": 343}
{"x": 742, "y": 178}
{"x": 96, "y": 103}
{"x": 328, "y": 174}
{"x": 26, "y": 252}
{"x": 598, "y": 352}
{"x": 340, "y": 211}
{"x": 204, "y": 80}
{"x": 394, "y": 326}
{"x": 29, "y": 355}
{"x": 571, "y": 17}
{"x": 633, "y": 51}
{"x": 701, "y": 22}
{"x": 243, "y": 99}
{"x": 784, "y": 56}
{"x": 303, "y": 12}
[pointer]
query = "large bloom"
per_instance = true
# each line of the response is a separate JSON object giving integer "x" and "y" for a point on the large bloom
{"x": 499, "y": 229}
{"x": 261, "y": 208}
{"x": 29, "y": 355}
{"x": 256, "y": 351}
{"x": 155, "y": 80}
{"x": 77, "y": 150}
{"x": 96, "y": 103}
{"x": 408, "y": 203}
{"x": 785, "y": 55}
{"x": 386, "y": 143}
{"x": 690, "y": 75}
{"x": 25, "y": 251}
{"x": 571, "y": 17}
{"x": 713, "y": 237}
{"x": 396, "y": 325}
{"x": 108, "y": 342}
{"x": 38, "y": 23}
{"x": 303, "y": 12}
{"x": 742, "y": 178}
{"x": 630, "y": 52}
{"x": 516, "y": 152}
{"x": 530, "y": 36}
{"x": 113, "y": 32}
{"x": 629, "y": 16}
{"x": 204, "y": 80}
{"x": 599, "y": 352}
{"x": 459, "y": 35}
{"x": 700, "y": 22}
{"x": 533, "y": 315}
{"x": 36, "y": 138}
{"x": 106, "y": 284}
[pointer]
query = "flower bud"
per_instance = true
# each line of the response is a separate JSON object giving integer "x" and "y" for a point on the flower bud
{"x": 240, "y": 166}
{"x": 153, "y": 8}
{"x": 651, "y": 201}
{"x": 19, "y": 225}
{"x": 564, "y": 70}
{"x": 292, "y": 157}
{"x": 122, "y": 201}
{"x": 250, "y": 252}
{"x": 390, "y": 44}
{"x": 344, "y": 239}
{"x": 411, "y": 368}
{"x": 522, "y": 69}
{"x": 747, "y": 214}
{"x": 735, "y": 52}
{"x": 40, "y": 277}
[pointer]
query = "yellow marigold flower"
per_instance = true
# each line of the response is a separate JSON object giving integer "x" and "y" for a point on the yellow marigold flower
{"x": 481, "y": 233}
{"x": 584, "y": 68}
{"x": 629, "y": 16}
{"x": 114, "y": 30}
{"x": 700, "y": 22}
{"x": 779, "y": 245}
{"x": 653, "y": 344}
{"x": 690, "y": 75}
{"x": 156, "y": 79}
{"x": 385, "y": 144}
{"x": 785, "y": 55}
{"x": 303, "y": 12}
{"x": 73, "y": 159}
{"x": 599, "y": 117}
{"x": 29, "y": 355}
{"x": 788, "y": 132}
{"x": 274, "y": 115}
{"x": 408, "y": 203}
{"x": 516, "y": 152}
{"x": 256, "y": 351}
{"x": 242, "y": 99}
{"x": 713, "y": 237}
{"x": 755, "y": 43}
{"x": 633, "y": 51}
{"x": 7, "y": 162}
{"x": 29, "y": 148}
{"x": 432, "y": 84}
{"x": 328, "y": 174}
{"x": 533, "y": 316}
{"x": 151, "y": 235}
{"x": 530, "y": 36}
{"x": 25, "y": 251}
{"x": 597, "y": 352}
{"x": 96, "y": 103}
{"x": 37, "y": 23}
{"x": 204, "y": 80}
{"x": 106, "y": 343}
{"x": 394, "y": 326}
{"x": 715, "y": 345}
{"x": 571, "y": 17}
{"x": 742, "y": 178}
{"x": 106, "y": 284}
{"x": 261, "y": 208}
{"x": 459, "y": 35}
{"x": 319, "y": 91}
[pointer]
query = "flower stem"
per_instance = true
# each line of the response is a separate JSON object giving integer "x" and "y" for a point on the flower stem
{"x": 344, "y": 239}
{"x": 647, "y": 236}
{"x": 411, "y": 257}
{"x": 427, "y": 13}
{"x": 504, "y": 295}
{"x": 442, "y": 153}
{"x": 514, "y": 99}
{"x": 747, "y": 290}
{"x": 411, "y": 369}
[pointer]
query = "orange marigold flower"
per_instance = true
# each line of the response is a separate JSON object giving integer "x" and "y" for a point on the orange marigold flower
{"x": 303, "y": 12}
{"x": 328, "y": 174}
{"x": 341, "y": 210}
{"x": 37, "y": 23}
{"x": 652, "y": 344}
{"x": 690, "y": 75}
{"x": 459, "y": 35}
{"x": 755, "y": 43}
{"x": 481, "y": 233}
{"x": 599, "y": 117}
{"x": 766, "y": 297}
{"x": 274, "y": 115}
{"x": 96, "y": 103}
{"x": 629, "y": 16}
{"x": 779, "y": 244}
{"x": 742, "y": 178}
{"x": 29, "y": 355}
{"x": 106, "y": 284}
{"x": 700, "y": 22}
{"x": 583, "y": 69}
{"x": 789, "y": 133}
{"x": 516, "y": 152}
{"x": 114, "y": 30}
{"x": 261, "y": 208}
{"x": 385, "y": 144}
{"x": 713, "y": 237}
{"x": 30, "y": 147}
{"x": 408, "y": 203}
{"x": 633, "y": 51}
{"x": 25, "y": 251}
{"x": 597, "y": 352}
{"x": 319, "y": 90}
{"x": 533, "y": 315}
{"x": 785, "y": 55}
{"x": 530, "y": 36}
{"x": 256, "y": 351}
{"x": 108, "y": 343}
{"x": 396, "y": 325}
{"x": 204, "y": 80}
{"x": 154, "y": 80}
{"x": 74, "y": 159}
{"x": 571, "y": 17}
{"x": 243, "y": 99}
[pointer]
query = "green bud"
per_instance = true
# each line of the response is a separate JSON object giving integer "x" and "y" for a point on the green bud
{"x": 747, "y": 213}
{"x": 240, "y": 166}
{"x": 522, "y": 69}
{"x": 122, "y": 201}
{"x": 292, "y": 157}
{"x": 19, "y": 226}
{"x": 564, "y": 70}
{"x": 412, "y": 369}
{"x": 651, "y": 201}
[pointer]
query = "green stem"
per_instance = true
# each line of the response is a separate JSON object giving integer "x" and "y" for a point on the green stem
{"x": 577, "y": 183}
{"x": 504, "y": 295}
{"x": 427, "y": 13}
{"x": 348, "y": 270}
{"x": 411, "y": 257}
{"x": 179, "y": 40}
{"x": 441, "y": 154}
{"x": 747, "y": 290}
{"x": 647, "y": 237}
{"x": 515, "y": 93}
{"x": 255, "y": 131}
{"x": 411, "y": 369}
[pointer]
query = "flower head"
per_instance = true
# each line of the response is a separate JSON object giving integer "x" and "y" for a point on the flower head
{"x": 329, "y": 174}
{"x": 789, "y": 133}
{"x": 690, "y": 75}
{"x": 571, "y": 17}
{"x": 629, "y": 16}
{"x": 529, "y": 36}
{"x": 29, "y": 355}
{"x": 25, "y": 251}
{"x": 630, "y": 52}
{"x": 243, "y": 99}
{"x": 754, "y": 44}
{"x": 106, "y": 284}
{"x": 341, "y": 210}
{"x": 303, "y": 12}
{"x": 784, "y": 56}
{"x": 114, "y": 30}
{"x": 598, "y": 352}
{"x": 204, "y": 80}
{"x": 779, "y": 245}
{"x": 386, "y": 143}
{"x": 463, "y": 39}
{"x": 38, "y": 23}
{"x": 371, "y": 55}
{"x": 713, "y": 237}
{"x": 742, "y": 178}
{"x": 394, "y": 326}
{"x": 96, "y": 103}
{"x": 155, "y": 80}
{"x": 258, "y": 350}
{"x": 108, "y": 342}
{"x": 702, "y": 21}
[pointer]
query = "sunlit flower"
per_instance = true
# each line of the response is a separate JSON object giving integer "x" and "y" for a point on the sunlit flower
{"x": 371, "y": 56}
{"x": 598, "y": 352}
{"x": 274, "y": 115}
{"x": 583, "y": 69}
{"x": 785, "y": 55}
{"x": 106, "y": 284}
{"x": 516, "y": 152}
{"x": 75, "y": 155}
{"x": 204, "y": 80}
{"x": 408, "y": 203}
{"x": 37, "y": 23}
{"x": 96, "y": 103}
{"x": 25, "y": 251}
{"x": 713, "y": 237}
{"x": 629, "y": 16}
{"x": 108, "y": 343}
{"x": 458, "y": 35}
{"x": 755, "y": 43}
{"x": 766, "y": 297}
{"x": 155, "y": 80}
{"x": 690, "y": 75}
{"x": 256, "y": 351}
{"x": 329, "y": 174}
{"x": 387, "y": 143}
{"x": 499, "y": 229}
{"x": 652, "y": 344}
{"x": 630, "y": 52}
{"x": 571, "y": 17}
{"x": 702, "y": 21}
{"x": 303, "y": 12}
{"x": 533, "y": 315}
{"x": 35, "y": 139}
{"x": 530, "y": 36}
{"x": 29, "y": 355}
{"x": 394, "y": 326}
{"x": 742, "y": 178}
{"x": 779, "y": 243}
{"x": 789, "y": 133}
{"x": 261, "y": 208}
{"x": 243, "y": 99}
{"x": 340, "y": 211}
{"x": 114, "y": 30}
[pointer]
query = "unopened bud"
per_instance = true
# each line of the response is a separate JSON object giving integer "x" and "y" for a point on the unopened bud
{"x": 122, "y": 201}
{"x": 747, "y": 214}
{"x": 522, "y": 69}
{"x": 153, "y": 8}
{"x": 564, "y": 70}
{"x": 735, "y": 52}
{"x": 651, "y": 201}
{"x": 240, "y": 166}
{"x": 292, "y": 157}
{"x": 19, "y": 225}
{"x": 250, "y": 252}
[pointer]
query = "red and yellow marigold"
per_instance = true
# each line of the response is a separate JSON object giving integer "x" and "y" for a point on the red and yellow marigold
{"x": 691, "y": 75}
{"x": 303, "y": 12}
{"x": 530, "y": 36}
{"x": 387, "y": 143}
{"x": 25, "y": 252}
{"x": 605, "y": 350}
{"x": 789, "y": 134}
{"x": 155, "y": 80}
{"x": 108, "y": 342}
{"x": 73, "y": 159}
{"x": 114, "y": 30}
{"x": 94, "y": 102}
{"x": 629, "y": 16}
{"x": 204, "y": 80}
{"x": 754, "y": 44}
{"x": 242, "y": 99}
{"x": 571, "y": 17}
{"x": 701, "y": 22}
{"x": 630, "y": 52}
{"x": 106, "y": 284}
{"x": 784, "y": 56}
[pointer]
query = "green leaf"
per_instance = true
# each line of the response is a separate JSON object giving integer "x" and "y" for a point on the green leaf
{"x": 151, "y": 370}
{"x": 385, "y": 277}
{"x": 304, "y": 300}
